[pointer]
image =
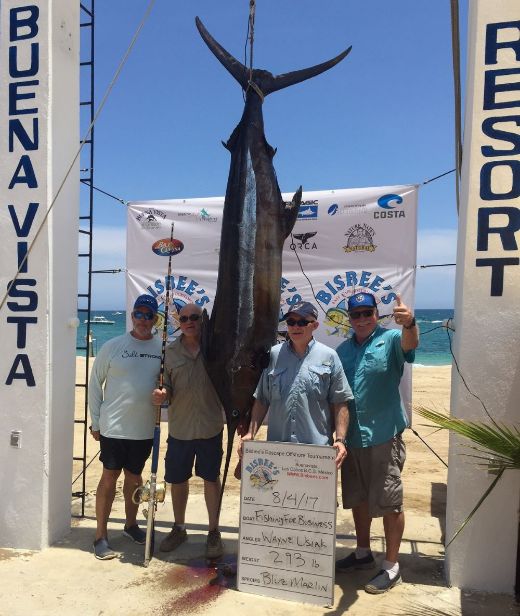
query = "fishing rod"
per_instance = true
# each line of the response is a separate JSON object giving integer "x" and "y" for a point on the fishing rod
{"x": 153, "y": 492}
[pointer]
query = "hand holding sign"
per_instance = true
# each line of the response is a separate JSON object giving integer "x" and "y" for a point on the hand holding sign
{"x": 402, "y": 314}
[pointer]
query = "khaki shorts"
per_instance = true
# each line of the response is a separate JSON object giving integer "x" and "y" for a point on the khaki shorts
{"x": 373, "y": 474}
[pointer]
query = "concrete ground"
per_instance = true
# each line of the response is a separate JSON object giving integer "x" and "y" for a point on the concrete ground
{"x": 67, "y": 579}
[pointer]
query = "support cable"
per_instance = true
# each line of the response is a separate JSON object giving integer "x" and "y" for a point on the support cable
{"x": 455, "y": 50}
{"x": 84, "y": 140}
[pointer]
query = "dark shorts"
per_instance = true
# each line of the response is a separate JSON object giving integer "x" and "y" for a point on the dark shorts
{"x": 373, "y": 475}
{"x": 180, "y": 455}
{"x": 119, "y": 453}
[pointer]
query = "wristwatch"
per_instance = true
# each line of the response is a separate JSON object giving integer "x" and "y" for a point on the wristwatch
{"x": 341, "y": 440}
{"x": 412, "y": 324}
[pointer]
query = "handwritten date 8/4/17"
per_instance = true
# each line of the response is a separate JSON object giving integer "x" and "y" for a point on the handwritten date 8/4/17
{"x": 295, "y": 500}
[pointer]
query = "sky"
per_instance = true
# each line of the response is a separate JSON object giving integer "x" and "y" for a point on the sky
{"x": 384, "y": 116}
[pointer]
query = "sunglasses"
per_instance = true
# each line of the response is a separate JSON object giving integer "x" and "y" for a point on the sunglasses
{"x": 300, "y": 322}
{"x": 361, "y": 313}
{"x": 192, "y": 317}
{"x": 147, "y": 316}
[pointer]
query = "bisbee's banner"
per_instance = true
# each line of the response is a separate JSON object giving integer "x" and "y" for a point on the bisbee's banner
{"x": 343, "y": 242}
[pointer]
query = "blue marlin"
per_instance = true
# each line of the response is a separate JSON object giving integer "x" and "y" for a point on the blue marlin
{"x": 236, "y": 340}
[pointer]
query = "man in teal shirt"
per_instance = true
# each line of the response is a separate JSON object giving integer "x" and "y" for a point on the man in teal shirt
{"x": 373, "y": 360}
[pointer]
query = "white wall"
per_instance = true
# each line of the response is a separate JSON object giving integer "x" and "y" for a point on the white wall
{"x": 487, "y": 338}
{"x": 36, "y": 478}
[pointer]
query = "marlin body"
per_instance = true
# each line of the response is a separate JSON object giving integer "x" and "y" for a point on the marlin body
{"x": 237, "y": 339}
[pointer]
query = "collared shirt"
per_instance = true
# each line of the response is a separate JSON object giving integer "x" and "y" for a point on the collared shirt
{"x": 374, "y": 370}
{"x": 299, "y": 391}
{"x": 194, "y": 411}
{"x": 120, "y": 387}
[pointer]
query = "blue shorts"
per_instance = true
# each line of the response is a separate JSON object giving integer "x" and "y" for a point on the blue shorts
{"x": 119, "y": 453}
{"x": 180, "y": 455}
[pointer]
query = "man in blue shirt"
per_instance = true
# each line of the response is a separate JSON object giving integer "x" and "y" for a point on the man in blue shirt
{"x": 373, "y": 360}
{"x": 304, "y": 388}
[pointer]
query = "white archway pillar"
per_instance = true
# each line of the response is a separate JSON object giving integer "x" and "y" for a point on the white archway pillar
{"x": 39, "y": 135}
{"x": 487, "y": 302}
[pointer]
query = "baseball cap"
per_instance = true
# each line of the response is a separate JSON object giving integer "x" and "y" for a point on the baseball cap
{"x": 146, "y": 301}
{"x": 304, "y": 309}
{"x": 360, "y": 300}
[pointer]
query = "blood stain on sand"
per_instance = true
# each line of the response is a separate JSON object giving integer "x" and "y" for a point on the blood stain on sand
{"x": 196, "y": 585}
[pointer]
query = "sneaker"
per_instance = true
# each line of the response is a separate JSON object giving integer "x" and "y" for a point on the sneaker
{"x": 102, "y": 550}
{"x": 350, "y": 562}
{"x": 214, "y": 547}
{"x": 174, "y": 539}
{"x": 382, "y": 582}
{"x": 135, "y": 534}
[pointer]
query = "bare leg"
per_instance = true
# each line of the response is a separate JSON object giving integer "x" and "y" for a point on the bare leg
{"x": 212, "y": 495}
{"x": 393, "y": 524}
{"x": 131, "y": 483}
{"x": 362, "y": 522}
{"x": 180, "y": 493}
{"x": 105, "y": 493}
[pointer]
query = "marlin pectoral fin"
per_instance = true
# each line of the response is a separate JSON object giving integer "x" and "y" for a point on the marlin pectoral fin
{"x": 290, "y": 213}
{"x": 236, "y": 68}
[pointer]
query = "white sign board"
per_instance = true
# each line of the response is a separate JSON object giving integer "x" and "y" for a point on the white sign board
{"x": 288, "y": 522}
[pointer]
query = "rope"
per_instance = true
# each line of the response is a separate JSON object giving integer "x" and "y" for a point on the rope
{"x": 455, "y": 50}
{"x": 84, "y": 140}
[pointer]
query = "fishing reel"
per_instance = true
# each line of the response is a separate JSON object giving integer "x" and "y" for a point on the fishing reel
{"x": 142, "y": 493}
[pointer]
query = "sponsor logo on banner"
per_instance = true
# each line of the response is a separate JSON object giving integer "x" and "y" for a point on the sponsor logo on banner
{"x": 388, "y": 209}
{"x": 348, "y": 209}
{"x": 334, "y": 294}
{"x": 204, "y": 216}
{"x": 360, "y": 239}
{"x": 304, "y": 241}
{"x": 308, "y": 210}
{"x": 261, "y": 474}
{"x": 183, "y": 290}
{"x": 167, "y": 247}
{"x": 151, "y": 218}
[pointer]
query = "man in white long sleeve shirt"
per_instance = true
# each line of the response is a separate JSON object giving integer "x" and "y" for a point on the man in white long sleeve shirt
{"x": 123, "y": 417}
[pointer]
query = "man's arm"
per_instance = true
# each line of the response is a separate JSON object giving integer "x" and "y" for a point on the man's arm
{"x": 95, "y": 390}
{"x": 341, "y": 417}
{"x": 410, "y": 334}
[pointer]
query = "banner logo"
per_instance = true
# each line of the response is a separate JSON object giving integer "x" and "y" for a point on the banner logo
{"x": 261, "y": 474}
{"x": 336, "y": 291}
{"x": 204, "y": 216}
{"x": 389, "y": 211}
{"x": 167, "y": 247}
{"x": 385, "y": 201}
{"x": 360, "y": 239}
{"x": 308, "y": 212}
{"x": 303, "y": 242}
{"x": 150, "y": 219}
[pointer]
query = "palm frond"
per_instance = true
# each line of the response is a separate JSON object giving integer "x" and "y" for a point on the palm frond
{"x": 499, "y": 448}
{"x": 500, "y": 443}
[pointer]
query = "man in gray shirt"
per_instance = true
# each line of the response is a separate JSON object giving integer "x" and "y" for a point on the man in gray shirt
{"x": 123, "y": 417}
{"x": 304, "y": 388}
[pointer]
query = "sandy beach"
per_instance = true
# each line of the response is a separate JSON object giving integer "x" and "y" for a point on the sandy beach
{"x": 67, "y": 579}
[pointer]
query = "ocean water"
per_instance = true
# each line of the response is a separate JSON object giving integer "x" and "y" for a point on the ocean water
{"x": 433, "y": 349}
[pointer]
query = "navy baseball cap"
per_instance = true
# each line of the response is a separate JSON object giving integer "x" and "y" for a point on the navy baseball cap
{"x": 304, "y": 309}
{"x": 146, "y": 301}
{"x": 360, "y": 300}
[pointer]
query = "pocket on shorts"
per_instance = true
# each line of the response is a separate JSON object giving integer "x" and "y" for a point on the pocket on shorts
{"x": 392, "y": 492}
